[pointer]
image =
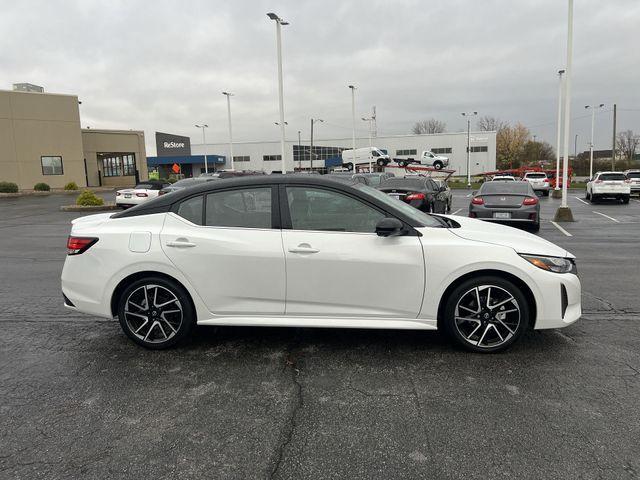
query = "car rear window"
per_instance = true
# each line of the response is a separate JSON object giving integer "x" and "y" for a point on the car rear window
{"x": 536, "y": 175}
{"x": 633, "y": 175}
{"x": 404, "y": 183}
{"x": 520, "y": 188}
{"x": 148, "y": 186}
{"x": 612, "y": 176}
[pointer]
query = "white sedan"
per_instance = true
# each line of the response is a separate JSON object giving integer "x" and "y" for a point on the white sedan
{"x": 142, "y": 192}
{"x": 304, "y": 251}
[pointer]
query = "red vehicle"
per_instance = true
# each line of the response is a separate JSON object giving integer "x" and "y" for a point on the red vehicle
{"x": 519, "y": 172}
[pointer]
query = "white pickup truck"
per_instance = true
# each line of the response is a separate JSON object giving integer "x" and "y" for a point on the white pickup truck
{"x": 427, "y": 159}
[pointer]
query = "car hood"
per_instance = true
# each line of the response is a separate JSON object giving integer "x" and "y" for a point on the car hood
{"x": 520, "y": 241}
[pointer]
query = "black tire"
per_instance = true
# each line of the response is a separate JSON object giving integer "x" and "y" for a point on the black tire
{"x": 177, "y": 315}
{"x": 402, "y": 163}
{"x": 348, "y": 166}
{"x": 625, "y": 199}
{"x": 381, "y": 163}
{"x": 545, "y": 193}
{"x": 586, "y": 195}
{"x": 535, "y": 227}
{"x": 437, "y": 165}
{"x": 509, "y": 328}
{"x": 593, "y": 198}
{"x": 449, "y": 206}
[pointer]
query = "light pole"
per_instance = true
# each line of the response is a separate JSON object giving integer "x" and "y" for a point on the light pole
{"x": 204, "y": 146}
{"x": 469, "y": 115}
{"x": 353, "y": 138}
{"x": 593, "y": 123}
{"x": 299, "y": 153}
{"x": 370, "y": 120}
{"x": 559, "y": 133}
{"x": 279, "y": 23}
{"x": 229, "y": 95}
{"x": 564, "y": 214}
{"x": 313, "y": 120}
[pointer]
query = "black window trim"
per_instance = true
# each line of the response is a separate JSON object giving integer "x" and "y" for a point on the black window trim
{"x": 52, "y": 156}
{"x": 285, "y": 215}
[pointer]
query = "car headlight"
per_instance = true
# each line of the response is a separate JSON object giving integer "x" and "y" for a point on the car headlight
{"x": 552, "y": 264}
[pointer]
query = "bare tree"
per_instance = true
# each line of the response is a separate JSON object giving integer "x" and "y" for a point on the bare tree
{"x": 627, "y": 144}
{"x": 491, "y": 124}
{"x": 429, "y": 126}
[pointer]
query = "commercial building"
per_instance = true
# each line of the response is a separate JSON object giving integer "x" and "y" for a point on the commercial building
{"x": 174, "y": 156}
{"x": 267, "y": 155}
{"x": 41, "y": 141}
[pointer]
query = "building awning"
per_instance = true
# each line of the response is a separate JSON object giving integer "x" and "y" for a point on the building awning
{"x": 183, "y": 159}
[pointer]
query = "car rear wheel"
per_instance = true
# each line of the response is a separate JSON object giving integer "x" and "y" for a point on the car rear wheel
{"x": 486, "y": 314}
{"x": 625, "y": 199}
{"x": 593, "y": 198}
{"x": 156, "y": 313}
{"x": 437, "y": 165}
{"x": 586, "y": 195}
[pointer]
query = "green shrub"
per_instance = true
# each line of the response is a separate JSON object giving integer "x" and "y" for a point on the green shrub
{"x": 8, "y": 187}
{"x": 88, "y": 198}
{"x": 154, "y": 176}
{"x": 41, "y": 187}
{"x": 71, "y": 186}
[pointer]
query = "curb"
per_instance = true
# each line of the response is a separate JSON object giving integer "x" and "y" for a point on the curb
{"x": 30, "y": 193}
{"x": 89, "y": 208}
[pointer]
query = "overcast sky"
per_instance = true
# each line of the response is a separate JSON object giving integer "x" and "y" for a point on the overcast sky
{"x": 162, "y": 65}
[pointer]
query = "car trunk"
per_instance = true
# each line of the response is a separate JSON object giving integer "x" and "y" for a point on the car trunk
{"x": 503, "y": 200}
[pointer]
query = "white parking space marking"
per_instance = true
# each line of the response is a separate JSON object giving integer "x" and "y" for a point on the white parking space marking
{"x": 607, "y": 216}
{"x": 456, "y": 211}
{"x": 561, "y": 229}
{"x": 581, "y": 200}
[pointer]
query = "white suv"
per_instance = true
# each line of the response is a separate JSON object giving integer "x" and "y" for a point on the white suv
{"x": 634, "y": 180}
{"x": 539, "y": 182}
{"x": 609, "y": 185}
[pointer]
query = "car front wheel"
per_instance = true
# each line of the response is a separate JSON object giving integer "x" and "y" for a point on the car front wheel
{"x": 156, "y": 313}
{"x": 486, "y": 314}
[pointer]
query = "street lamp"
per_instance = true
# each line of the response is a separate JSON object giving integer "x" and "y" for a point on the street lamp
{"x": 563, "y": 214}
{"x": 204, "y": 146}
{"x": 279, "y": 23}
{"x": 559, "y": 133}
{"x": 593, "y": 122}
{"x": 469, "y": 115}
{"x": 299, "y": 152}
{"x": 313, "y": 120}
{"x": 229, "y": 95}
{"x": 353, "y": 116}
{"x": 370, "y": 120}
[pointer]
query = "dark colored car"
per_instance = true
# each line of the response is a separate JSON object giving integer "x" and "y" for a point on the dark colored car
{"x": 512, "y": 203}
{"x": 186, "y": 183}
{"x": 373, "y": 179}
{"x": 419, "y": 192}
{"x": 445, "y": 194}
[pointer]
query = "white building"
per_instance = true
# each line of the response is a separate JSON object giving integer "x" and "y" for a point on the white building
{"x": 267, "y": 155}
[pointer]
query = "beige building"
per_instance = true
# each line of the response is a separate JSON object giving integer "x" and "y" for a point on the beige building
{"x": 41, "y": 141}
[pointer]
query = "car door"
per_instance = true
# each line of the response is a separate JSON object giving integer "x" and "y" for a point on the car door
{"x": 226, "y": 245}
{"x": 337, "y": 265}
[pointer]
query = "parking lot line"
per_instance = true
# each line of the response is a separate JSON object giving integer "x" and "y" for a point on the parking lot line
{"x": 581, "y": 200}
{"x": 469, "y": 195}
{"x": 607, "y": 216}
{"x": 456, "y": 211}
{"x": 561, "y": 229}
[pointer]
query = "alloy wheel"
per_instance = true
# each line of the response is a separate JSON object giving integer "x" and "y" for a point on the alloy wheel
{"x": 153, "y": 313}
{"x": 487, "y": 316}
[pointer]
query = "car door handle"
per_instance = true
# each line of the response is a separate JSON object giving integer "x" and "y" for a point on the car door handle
{"x": 180, "y": 243}
{"x": 303, "y": 248}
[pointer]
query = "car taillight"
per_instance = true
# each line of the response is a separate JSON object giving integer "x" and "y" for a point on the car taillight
{"x": 477, "y": 201}
{"x": 414, "y": 196}
{"x": 530, "y": 201}
{"x": 142, "y": 194}
{"x": 546, "y": 180}
{"x": 78, "y": 245}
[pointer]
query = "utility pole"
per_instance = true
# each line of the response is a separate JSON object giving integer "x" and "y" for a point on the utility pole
{"x": 613, "y": 143}
{"x": 279, "y": 23}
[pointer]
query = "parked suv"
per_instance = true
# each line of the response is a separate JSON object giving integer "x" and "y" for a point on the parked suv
{"x": 609, "y": 185}
{"x": 538, "y": 181}
{"x": 634, "y": 180}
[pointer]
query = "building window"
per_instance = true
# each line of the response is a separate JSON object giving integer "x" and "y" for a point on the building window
{"x": 111, "y": 167}
{"x": 271, "y": 158}
{"x": 406, "y": 152}
{"x": 439, "y": 151}
{"x": 242, "y": 158}
{"x": 301, "y": 152}
{"x": 129, "y": 164}
{"x": 479, "y": 149}
{"x": 51, "y": 165}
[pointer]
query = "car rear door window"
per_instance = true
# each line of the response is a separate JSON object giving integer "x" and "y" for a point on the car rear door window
{"x": 607, "y": 177}
{"x": 191, "y": 209}
{"x": 327, "y": 210}
{"x": 245, "y": 208}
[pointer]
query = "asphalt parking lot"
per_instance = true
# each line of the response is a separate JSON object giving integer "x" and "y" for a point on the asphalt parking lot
{"x": 79, "y": 400}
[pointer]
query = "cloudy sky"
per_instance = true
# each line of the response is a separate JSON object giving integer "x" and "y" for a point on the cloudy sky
{"x": 162, "y": 65}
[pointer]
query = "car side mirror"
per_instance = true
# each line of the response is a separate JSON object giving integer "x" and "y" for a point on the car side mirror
{"x": 389, "y": 227}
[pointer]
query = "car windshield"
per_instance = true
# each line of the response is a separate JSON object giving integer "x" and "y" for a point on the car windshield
{"x": 417, "y": 215}
{"x": 611, "y": 176}
{"x": 518, "y": 188}
{"x": 409, "y": 183}
{"x": 536, "y": 175}
{"x": 633, "y": 175}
